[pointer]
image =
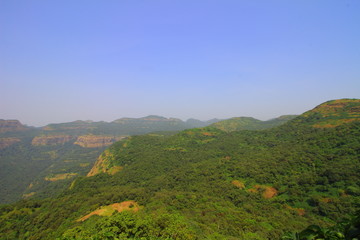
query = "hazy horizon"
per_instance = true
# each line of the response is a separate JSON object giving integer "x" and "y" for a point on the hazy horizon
{"x": 94, "y": 60}
{"x": 169, "y": 117}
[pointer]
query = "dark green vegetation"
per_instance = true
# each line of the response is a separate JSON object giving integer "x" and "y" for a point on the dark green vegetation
{"x": 24, "y": 167}
{"x": 40, "y": 162}
{"x": 349, "y": 229}
{"x": 127, "y": 126}
{"x": 211, "y": 184}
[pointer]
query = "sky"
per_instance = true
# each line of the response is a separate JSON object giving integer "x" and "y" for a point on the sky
{"x": 62, "y": 61}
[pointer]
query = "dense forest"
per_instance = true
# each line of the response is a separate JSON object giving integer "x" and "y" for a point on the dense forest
{"x": 300, "y": 180}
{"x": 43, "y": 161}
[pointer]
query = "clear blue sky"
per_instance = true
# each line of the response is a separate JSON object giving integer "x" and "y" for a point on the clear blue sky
{"x": 67, "y": 60}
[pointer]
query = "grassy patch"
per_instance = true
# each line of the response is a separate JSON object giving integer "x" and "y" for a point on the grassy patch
{"x": 61, "y": 176}
{"x": 110, "y": 209}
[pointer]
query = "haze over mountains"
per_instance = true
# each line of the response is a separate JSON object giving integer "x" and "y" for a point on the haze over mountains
{"x": 33, "y": 159}
{"x": 239, "y": 178}
{"x": 101, "y": 137}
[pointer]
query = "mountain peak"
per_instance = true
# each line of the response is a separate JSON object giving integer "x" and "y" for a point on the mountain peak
{"x": 334, "y": 107}
{"x": 332, "y": 113}
{"x": 154, "y": 118}
{"x": 238, "y": 123}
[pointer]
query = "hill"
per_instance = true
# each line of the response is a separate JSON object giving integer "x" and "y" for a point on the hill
{"x": 206, "y": 183}
{"x": 40, "y": 162}
{"x": 249, "y": 123}
{"x": 11, "y": 126}
{"x": 125, "y": 126}
{"x": 332, "y": 113}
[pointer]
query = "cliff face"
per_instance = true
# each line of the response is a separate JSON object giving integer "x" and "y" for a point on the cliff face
{"x": 94, "y": 141}
{"x": 6, "y": 142}
{"x": 11, "y": 126}
{"x": 50, "y": 140}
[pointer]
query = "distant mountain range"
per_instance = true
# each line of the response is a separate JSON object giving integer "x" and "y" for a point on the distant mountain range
{"x": 249, "y": 123}
{"x": 239, "y": 178}
{"x": 34, "y": 160}
{"x": 40, "y": 161}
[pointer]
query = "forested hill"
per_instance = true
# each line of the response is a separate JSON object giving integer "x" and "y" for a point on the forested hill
{"x": 42, "y": 161}
{"x": 249, "y": 123}
{"x": 332, "y": 113}
{"x": 126, "y": 126}
{"x": 206, "y": 183}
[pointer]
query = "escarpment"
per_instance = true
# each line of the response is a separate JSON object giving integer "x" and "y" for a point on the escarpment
{"x": 11, "y": 126}
{"x": 50, "y": 140}
{"x": 94, "y": 141}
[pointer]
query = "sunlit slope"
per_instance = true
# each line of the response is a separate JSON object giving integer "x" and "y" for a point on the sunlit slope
{"x": 332, "y": 113}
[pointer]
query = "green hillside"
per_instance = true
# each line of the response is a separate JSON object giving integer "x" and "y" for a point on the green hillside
{"x": 207, "y": 183}
{"x": 249, "y": 123}
{"x": 332, "y": 113}
{"x": 26, "y": 169}
{"x": 41, "y": 162}
{"x": 124, "y": 126}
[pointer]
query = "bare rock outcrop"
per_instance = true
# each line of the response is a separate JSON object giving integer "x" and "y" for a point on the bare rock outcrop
{"x": 50, "y": 140}
{"x": 94, "y": 141}
{"x": 11, "y": 126}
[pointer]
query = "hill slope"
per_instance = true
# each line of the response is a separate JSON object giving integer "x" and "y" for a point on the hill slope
{"x": 332, "y": 113}
{"x": 249, "y": 123}
{"x": 40, "y": 162}
{"x": 206, "y": 184}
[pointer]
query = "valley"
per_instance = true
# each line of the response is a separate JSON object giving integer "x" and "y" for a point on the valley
{"x": 40, "y": 162}
{"x": 234, "y": 179}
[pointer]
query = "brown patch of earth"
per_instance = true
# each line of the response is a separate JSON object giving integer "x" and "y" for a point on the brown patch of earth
{"x": 207, "y": 134}
{"x": 61, "y": 176}
{"x": 126, "y": 205}
{"x": 269, "y": 192}
{"x": 238, "y": 184}
{"x": 110, "y": 209}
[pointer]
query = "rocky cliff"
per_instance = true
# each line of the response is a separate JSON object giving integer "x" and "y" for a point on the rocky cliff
{"x": 11, "y": 126}
{"x": 50, "y": 140}
{"x": 94, "y": 141}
